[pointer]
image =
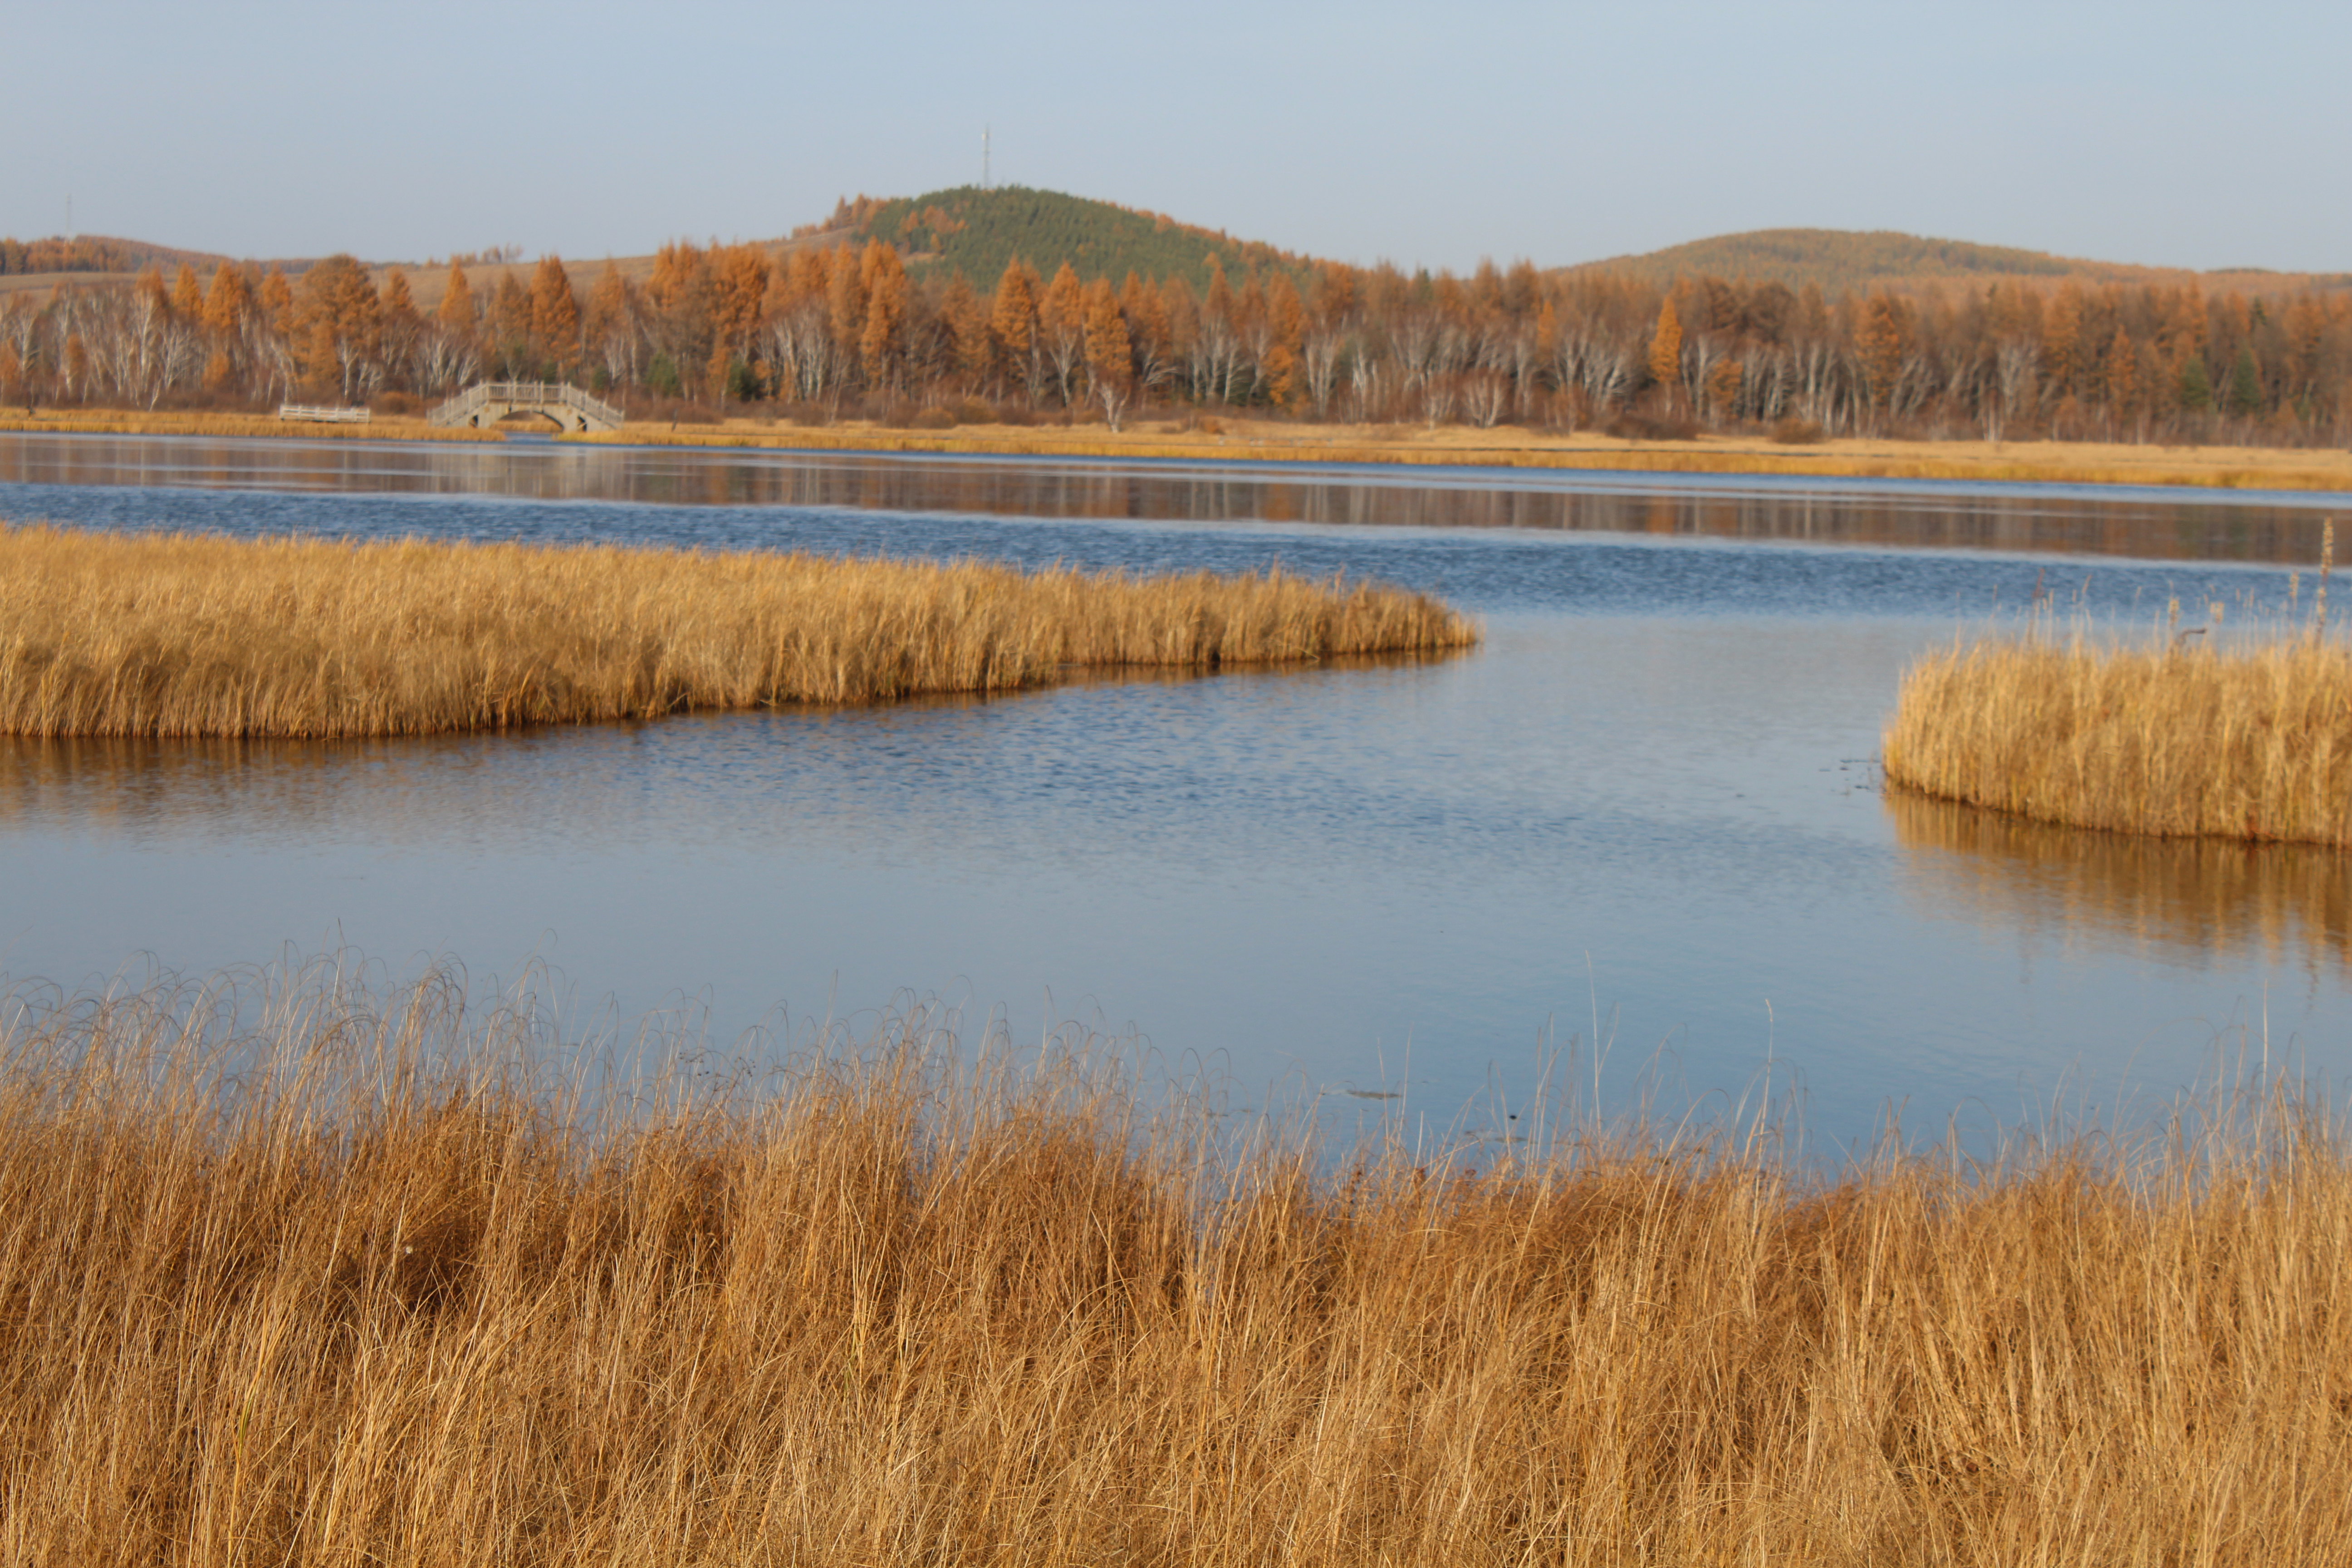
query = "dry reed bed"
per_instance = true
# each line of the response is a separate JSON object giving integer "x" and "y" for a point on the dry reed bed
{"x": 358, "y": 1284}
{"x": 152, "y": 635}
{"x": 2249, "y": 743}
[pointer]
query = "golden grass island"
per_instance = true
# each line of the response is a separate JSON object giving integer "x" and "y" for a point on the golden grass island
{"x": 196, "y": 635}
{"x": 2250, "y": 741}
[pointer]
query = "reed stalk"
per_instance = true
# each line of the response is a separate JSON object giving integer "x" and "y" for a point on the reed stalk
{"x": 187, "y": 635}
{"x": 312, "y": 1274}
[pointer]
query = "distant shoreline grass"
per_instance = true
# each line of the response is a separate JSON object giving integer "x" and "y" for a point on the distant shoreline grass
{"x": 316, "y": 1274}
{"x": 194, "y": 634}
{"x": 2249, "y": 743}
{"x": 1278, "y": 441}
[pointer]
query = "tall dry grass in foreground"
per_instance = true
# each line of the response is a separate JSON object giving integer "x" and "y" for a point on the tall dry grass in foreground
{"x": 123, "y": 633}
{"x": 360, "y": 1285}
{"x": 2250, "y": 743}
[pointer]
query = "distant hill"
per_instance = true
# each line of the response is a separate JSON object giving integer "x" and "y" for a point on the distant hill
{"x": 96, "y": 253}
{"x": 99, "y": 260}
{"x": 977, "y": 231}
{"x": 1840, "y": 261}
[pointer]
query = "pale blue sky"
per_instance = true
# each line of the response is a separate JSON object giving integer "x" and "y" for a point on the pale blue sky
{"x": 2194, "y": 135}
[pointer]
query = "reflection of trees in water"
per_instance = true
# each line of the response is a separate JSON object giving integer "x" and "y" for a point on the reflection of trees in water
{"x": 1997, "y": 522}
{"x": 2205, "y": 895}
{"x": 2193, "y": 533}
{"x": 1178, "y": 492}
{"x": 1062, "y": 491}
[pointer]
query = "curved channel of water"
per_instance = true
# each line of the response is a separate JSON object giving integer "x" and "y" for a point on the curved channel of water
{"x": 1647, "y": 809}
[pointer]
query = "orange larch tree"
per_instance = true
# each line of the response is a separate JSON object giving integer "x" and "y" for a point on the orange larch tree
{"x": 738, "y": 296}
{"x": 512, "y": 342}
{"x": 1146, "y": 310}
{"x": 277, "y": 297}
{"x": 340, "y": 328}
{"x": 1667, "y": 348}
{"x": 395, "y": 299}
{"x": 1285, "y": 341}
{"x": 882, "y": 338}
{"x": 965, "y": 320}
{"x": 2121, "y": 373}
{"x": 456, "y": 316}
{"x": 555, "y": 315}
{"x": 607, "y": 331}
{"x": 1012, "y": 323}
{"x": 678, "y": 300}
{"x": 1062, "y": 328}
{"x": 845, "y": 295}
{"x": 1879, "y": 342}
{"x": 396, "y": 308}
{"x": 228, "y": 303}
{"x": 1110, "y": 354}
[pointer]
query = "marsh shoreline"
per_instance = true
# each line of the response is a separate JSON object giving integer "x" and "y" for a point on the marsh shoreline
{"x": 1229, "y": 440}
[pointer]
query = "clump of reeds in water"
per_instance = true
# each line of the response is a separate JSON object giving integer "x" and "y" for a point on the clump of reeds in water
{"x": 322, "y": 1277}
{"x": 177, "y": 634}
{"x": 2184, "y": 733}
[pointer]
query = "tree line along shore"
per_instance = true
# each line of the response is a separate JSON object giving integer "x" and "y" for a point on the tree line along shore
{"x": 826, "y": 330}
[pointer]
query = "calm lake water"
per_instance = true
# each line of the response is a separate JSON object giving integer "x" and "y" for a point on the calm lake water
{"x": 1647, "y": 809}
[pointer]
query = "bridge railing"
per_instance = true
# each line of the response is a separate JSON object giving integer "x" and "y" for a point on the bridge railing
{"x": 458, "y": 409}
{"x": 322, "y": 413}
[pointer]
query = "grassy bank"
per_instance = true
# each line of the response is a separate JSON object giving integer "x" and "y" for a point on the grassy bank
{"x": 231, "y": 423}
{"x": 2250, "y": 742}
{"x": 352, "y": 1283}
{"x": 123, "y": 633}
{"x": 1276, "y": 440}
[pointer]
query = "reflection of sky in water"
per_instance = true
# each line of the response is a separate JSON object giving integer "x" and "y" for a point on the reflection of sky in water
{"x": 1648, "y": 797}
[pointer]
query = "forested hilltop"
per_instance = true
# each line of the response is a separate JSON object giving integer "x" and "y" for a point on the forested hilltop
{"x": 970, "y": 305}
{"x": 978, "y": 233}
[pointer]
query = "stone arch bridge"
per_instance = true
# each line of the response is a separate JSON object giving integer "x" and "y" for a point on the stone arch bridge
{"x": 486, "y": 403}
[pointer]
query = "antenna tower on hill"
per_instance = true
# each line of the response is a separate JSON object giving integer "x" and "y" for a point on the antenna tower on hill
{"x": 985, "y": 131}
